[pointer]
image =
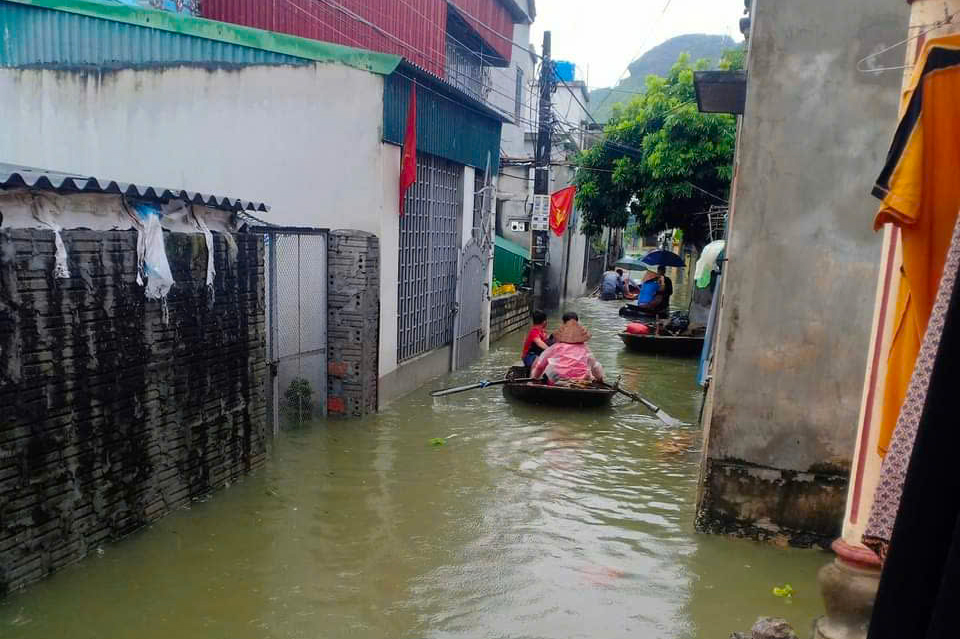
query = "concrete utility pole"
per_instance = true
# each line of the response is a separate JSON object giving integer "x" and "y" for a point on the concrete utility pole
{"x": 539, "y": 226}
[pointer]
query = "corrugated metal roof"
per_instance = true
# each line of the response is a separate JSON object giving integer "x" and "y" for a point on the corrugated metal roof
{"x": 414, "y": 29}
{"x": 450, "y": 124}
{"x": 88, "y": 32}
{"x": 13, "y": 176}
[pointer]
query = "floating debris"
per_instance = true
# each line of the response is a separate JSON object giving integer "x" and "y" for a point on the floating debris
{"x": 785, "y": 591}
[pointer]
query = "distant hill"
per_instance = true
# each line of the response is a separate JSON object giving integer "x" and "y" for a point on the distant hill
{"x": 658, "y": 61}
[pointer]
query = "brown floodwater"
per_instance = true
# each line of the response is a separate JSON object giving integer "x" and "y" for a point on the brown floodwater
{"x": 528, "y": 522}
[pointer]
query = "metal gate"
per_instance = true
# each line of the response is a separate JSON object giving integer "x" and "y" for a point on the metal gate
{"x": 430, "y": 238}
{"x": 296, "y": 294}
{"x": 473, "y": 274}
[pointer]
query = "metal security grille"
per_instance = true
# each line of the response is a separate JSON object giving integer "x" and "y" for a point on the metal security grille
{"x": 473, "y": 272}
{"x": 466, "y": 72}
{"x": 429, "y": 246}
{"x": 296, "y": 293}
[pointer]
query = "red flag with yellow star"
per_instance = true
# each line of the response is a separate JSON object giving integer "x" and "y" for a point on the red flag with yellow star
{"x": 561, "y": 206}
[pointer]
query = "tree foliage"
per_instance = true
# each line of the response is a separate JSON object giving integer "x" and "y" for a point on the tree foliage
{"x": 659, "y": 160}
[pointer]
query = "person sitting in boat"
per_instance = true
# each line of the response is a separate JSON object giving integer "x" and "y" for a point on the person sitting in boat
{"x": 536, "y": 341}
{"x": 630, "y": 288}
{"x": 569, "y": 359}
{"x": 649, "y": 287}
{"x": 569, "y": 316}
{"x": 611, "y": 286}
{"x": 661, "y": 299}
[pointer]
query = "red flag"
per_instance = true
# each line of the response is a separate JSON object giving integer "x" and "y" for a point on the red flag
{"x": 408, "y": 158}
{"x": 561, "y": 205}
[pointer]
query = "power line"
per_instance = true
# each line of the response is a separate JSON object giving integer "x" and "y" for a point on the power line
{"x": 497, "y": 33}
{"x": 628, "y": 148}
{"x": 362, "y": 20}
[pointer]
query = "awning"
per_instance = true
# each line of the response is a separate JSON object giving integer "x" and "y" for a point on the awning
{"x": 512, "y": 247}
{"x": 13, "y": 176}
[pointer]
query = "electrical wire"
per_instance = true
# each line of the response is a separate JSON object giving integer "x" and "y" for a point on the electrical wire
{"x": 325, "y": 24}
{"x": 360, "y": 19}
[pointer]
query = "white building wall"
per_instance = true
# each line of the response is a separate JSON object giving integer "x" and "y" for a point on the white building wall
{"x": 389, "y": 258}
{"x": 276, "y": 134}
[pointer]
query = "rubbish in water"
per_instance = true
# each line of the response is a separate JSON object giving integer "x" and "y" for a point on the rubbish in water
{"x": 785, "y": 591}
{"x": 438, "y": 441}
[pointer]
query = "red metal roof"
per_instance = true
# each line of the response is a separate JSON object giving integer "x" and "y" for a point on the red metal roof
{"x": 415, "y": 29}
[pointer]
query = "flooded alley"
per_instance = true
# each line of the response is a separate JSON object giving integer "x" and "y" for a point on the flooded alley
{"x": 526, "y": 522}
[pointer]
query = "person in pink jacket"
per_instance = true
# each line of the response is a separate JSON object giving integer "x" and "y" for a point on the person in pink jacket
{"x": 569, "y": 358}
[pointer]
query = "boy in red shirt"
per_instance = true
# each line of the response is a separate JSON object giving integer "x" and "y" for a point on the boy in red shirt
{"x": 536, "y": 341}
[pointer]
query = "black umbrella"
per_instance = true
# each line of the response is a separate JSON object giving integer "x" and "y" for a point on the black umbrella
{"x": 663, "y": 258}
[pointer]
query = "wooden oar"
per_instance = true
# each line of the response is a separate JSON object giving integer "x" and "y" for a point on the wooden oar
{"x": 483, "y": 384}
{"x": 657, "y": 411}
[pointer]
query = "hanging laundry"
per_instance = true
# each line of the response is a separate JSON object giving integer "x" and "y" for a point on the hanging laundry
{"x": 920, "y": 584}
{"x": 921, "y": 195}
{"x": 703, "y": 271}
{"x": 893, "y": 472}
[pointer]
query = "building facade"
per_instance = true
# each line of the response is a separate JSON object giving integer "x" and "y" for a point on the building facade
{"x": 569, "y": 255}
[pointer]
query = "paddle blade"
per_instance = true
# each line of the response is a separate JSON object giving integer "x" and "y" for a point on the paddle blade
{"x": 668, "y": 420}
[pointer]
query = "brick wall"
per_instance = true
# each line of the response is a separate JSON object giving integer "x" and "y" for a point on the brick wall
{"x": 353, "y": 323}
{"x": 111, "y": 417}
{"x": 509, "y": 313}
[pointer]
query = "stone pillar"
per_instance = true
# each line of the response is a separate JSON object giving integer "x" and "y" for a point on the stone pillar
{"x": 353, "y": 323}
{"x": 849, "y": 583}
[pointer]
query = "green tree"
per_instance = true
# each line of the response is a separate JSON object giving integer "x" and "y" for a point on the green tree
{"x": 659, "y": 159}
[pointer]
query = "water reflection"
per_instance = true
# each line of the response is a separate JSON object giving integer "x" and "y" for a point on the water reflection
{"x": 528, "y": 522}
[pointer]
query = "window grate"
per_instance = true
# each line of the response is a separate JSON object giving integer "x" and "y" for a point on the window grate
{"x": 429, "y": 248}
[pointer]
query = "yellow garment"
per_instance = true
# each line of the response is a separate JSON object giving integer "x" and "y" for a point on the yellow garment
{"x": 920, "y": 189}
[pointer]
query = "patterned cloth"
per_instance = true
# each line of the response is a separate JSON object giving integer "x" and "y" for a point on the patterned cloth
{"x": 893, "y": 472}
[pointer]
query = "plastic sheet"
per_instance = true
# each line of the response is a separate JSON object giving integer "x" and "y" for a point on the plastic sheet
{"x": 152, "y": 253}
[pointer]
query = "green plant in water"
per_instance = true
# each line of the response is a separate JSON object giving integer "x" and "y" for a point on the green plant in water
{"x": 299, "y": 396}
{"x": 438, "y": 441}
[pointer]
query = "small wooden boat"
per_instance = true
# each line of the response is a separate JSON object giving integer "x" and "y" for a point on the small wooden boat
{"x": 539, "y": 393}
{"x": 676, "y": 345}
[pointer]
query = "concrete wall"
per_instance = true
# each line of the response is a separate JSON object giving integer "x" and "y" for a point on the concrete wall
{"x": 113, "y": 417}
{"x": 799, "y": 286}
{"x": 275, "y": 134}
{"x": 502, "y": 97}
{"x": 509, "y": 313}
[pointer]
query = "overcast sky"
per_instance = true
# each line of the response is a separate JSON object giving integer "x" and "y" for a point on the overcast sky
{"x": 605, "y": 35}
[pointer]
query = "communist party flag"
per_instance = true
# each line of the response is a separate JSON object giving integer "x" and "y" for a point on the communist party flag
{"x": 561, "y": 205}
{"x": 408, "y": 158}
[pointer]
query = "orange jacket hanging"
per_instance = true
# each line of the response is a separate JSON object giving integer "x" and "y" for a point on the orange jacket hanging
{"x": 920, "y": 190}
